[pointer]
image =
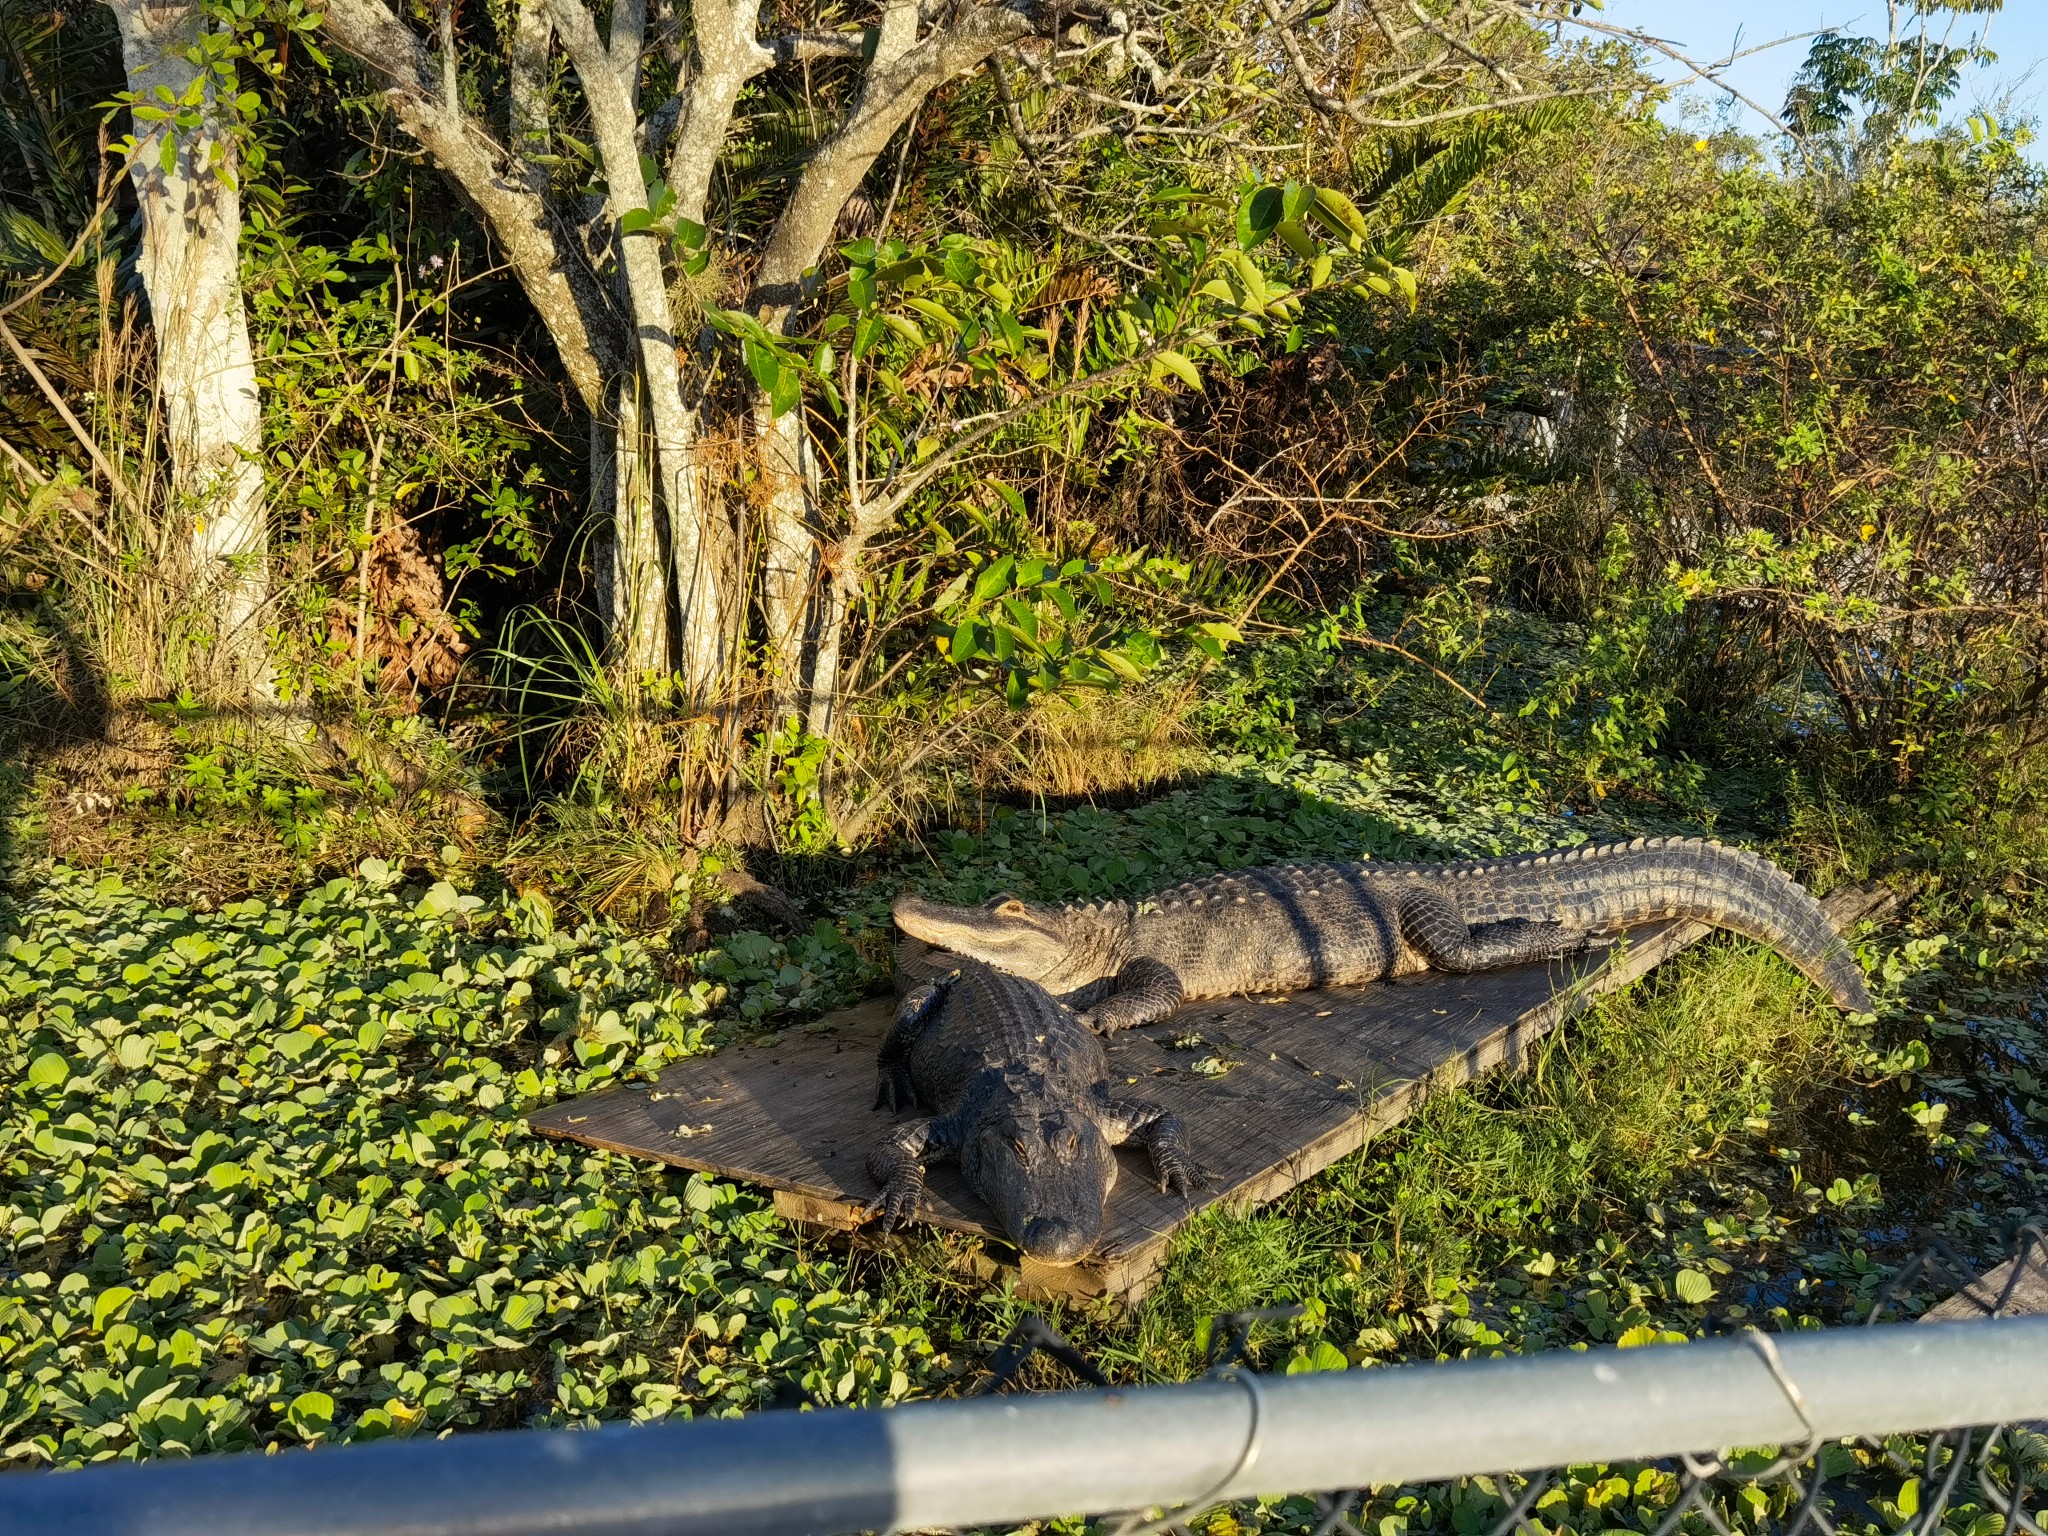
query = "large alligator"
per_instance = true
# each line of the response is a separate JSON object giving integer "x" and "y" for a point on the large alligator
{"x": 1293, "y": 926}
{"x": 1024, "y": 1102}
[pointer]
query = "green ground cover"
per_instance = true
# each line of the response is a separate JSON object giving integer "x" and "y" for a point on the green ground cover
{"x": 267, "y": 1182}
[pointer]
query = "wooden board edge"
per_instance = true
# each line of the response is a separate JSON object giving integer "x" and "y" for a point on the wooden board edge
{"x": 2016, "y": 1288}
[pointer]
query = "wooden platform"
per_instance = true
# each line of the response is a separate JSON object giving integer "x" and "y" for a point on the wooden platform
{"x": 1271, "y": 1091}
{"x": 2016, "y": 1288}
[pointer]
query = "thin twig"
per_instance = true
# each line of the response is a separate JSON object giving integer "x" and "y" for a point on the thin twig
{"x": 14, "y": 457}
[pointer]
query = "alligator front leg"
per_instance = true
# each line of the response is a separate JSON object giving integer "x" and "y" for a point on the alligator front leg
{"x": 1430, "y": 923}
{"x": 1157, "y": 1130}
{"x": 1144, "y": 990}
{"x": 898, "y": 1165}
{"x": 893, "y": 1088}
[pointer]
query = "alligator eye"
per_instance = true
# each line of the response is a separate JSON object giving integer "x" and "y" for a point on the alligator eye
{"x": 1023, "y": 1148}
{"x": 1073, "y": 1141}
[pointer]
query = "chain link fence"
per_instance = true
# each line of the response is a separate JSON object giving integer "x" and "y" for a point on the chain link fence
{"x": 1900, "y": 1430}
{"x": 1972, "y": 1480}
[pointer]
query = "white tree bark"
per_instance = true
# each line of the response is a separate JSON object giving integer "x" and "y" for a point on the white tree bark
{"x": 507, "y": 191}
{"x": 639, "y": 581}
{"x": 698, "y": 541}
{"x": 806, "y": 588}
{"x": 190, "y": 264}
{"x": 789, "y": 553}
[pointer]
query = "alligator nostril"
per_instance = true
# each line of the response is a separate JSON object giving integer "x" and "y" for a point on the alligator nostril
{"x": 1054, "y": 1241}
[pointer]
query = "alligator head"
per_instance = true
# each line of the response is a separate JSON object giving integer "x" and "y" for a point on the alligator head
{"x": 1045, "y": 1166}
{"x": 1061, "y": 948}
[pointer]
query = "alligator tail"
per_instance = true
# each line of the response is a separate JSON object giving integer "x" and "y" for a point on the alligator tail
{"x": 1618, "y": 884}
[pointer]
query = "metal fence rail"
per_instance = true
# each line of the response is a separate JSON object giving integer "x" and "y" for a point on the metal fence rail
{"x": 996, "y": 1460}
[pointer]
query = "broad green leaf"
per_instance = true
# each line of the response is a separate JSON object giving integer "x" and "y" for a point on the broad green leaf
{"x": 905, "y": 328}
{"x": 1178, "y": 365}
{"x": 296, "y": 1044}
{"x": 1120, "y": 664}
{"x": 785, "y": 392}
{"x": 1693, "y": 1287}
{"x": 1299, "y": 240}
{"x": 635, "y": 220}
{"x": 1324, "y": 1356}
{"x": 48, "y": 1070}
{"x": 109, "y": 1305}
{"x": 1010, "y": 497}
{"x": 935, "y": 312}
{"x": 1258, "y": 215}
{"x": 994, "y": 578}
{"x": 1340, "y": 214}
{"x": 312, "y": 1413}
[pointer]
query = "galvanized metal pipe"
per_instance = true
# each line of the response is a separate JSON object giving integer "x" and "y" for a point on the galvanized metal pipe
{"x": 993, "y": 1460}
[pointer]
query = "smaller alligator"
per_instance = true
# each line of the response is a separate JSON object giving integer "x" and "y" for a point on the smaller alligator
{"x": 1294, "y": 926}
{"x": 1023, "y": 1097}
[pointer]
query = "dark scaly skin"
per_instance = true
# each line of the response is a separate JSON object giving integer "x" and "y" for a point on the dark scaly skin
{"x": 1315, "y": 925}
{"x": 1023, "y": 1101}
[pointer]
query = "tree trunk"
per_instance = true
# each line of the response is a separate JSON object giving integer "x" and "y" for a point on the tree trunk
{"x": 789, "y": 554}
{"x": 206, "y": 373}
{"x": 638, "y": 576}
{"x": 698, "y": 539}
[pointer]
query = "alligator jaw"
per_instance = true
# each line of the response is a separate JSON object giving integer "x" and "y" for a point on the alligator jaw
{"x": 1006, "y": 934}
{"x": 1049, "y": 1240}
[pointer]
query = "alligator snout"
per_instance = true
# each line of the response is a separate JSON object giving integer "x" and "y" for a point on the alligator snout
{"x": 1055, "y": 1240}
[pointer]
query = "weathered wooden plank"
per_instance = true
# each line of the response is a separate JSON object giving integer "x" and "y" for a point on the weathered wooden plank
{"x": 1271, "y": 1092}
{"x": 2017, "y": 1288}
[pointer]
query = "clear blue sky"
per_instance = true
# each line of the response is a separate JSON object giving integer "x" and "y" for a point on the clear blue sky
{"x": 1710, "y": 29}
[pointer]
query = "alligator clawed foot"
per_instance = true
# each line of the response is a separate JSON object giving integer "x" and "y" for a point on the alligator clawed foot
{"x": 898, "y": 1200}
{"x": 893, "y": 1091}
{"x": 1175, "y": 1176}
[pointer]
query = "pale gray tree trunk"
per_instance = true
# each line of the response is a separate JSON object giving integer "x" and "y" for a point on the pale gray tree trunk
{"x": 190, "y": 264}
{"x": 699, "y": 542}
{"x": 804, "y": 593}
{"x": 789, "y": 552}
{"x": 639, "y": 577}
